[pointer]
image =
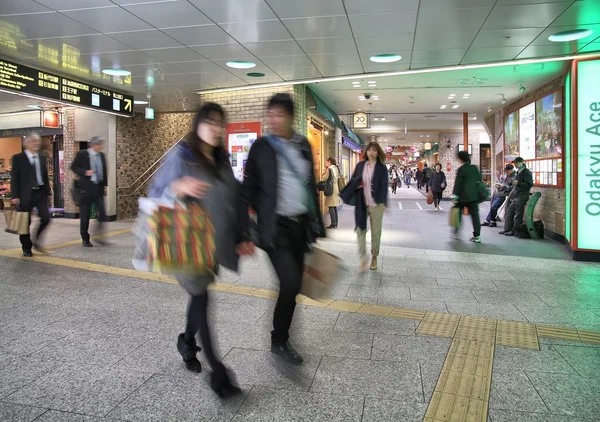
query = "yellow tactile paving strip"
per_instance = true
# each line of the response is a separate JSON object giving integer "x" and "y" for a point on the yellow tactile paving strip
{"x": 463, "y": 389}
{"x": 438, "y": 324}
{"x": 517, "y": 334}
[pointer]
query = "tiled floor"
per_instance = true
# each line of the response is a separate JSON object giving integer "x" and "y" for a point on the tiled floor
{"x": 81, "y": 345}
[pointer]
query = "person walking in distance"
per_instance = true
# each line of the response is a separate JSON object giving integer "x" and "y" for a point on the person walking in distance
{"x": 426, "y": 175}
{"x": 30, "y": 189}
{"x": 503, "y": 190}
{"x": 90, "y": 166}
{"x": 437, "y": 183}
{"x": 466, "y": 192}
{"x": 394, "y": 177}
{"x": 515, "y": 212}
{"x": 408, "y": 175}
{"x": 374, "y": 193}
{"x": 419, "y": 177}
{"x": 280, "y": 186}
{"x": 331, "y": 202}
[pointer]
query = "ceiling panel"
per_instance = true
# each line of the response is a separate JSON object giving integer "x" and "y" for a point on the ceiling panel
{"x": 129, "y": 2}
{"x": 451, "y": 39}
{"x": 542, "y": 39}
{"x": 22, "y": 6}
{"x": 87, "y": 44}
{"x": 477, "y": 55}
{"x": 128, "y": 58}
{"x": 383, "y": 24}
{"x": 108, "y": 19}
{"x": 548, "y": 50}
{"x": 358, "y": 7}
{"x": 329, "y": 27}
{"x": 591, "y": 48}
{"x": 440, "y": 21}
{"x": 61, "y": 5}
{"x": 200, "y": 35}
{"x": 223, "y": 79}
{"x": 520, "y": 16}
{"x": 197, "y": 66}
{"x": 384, "y": 44}
{"x": 506, "y": 37}
{"x": 299, "y": 73}
{"x": 153, "y": 69}
{"x": 330, "y": 60}
{"x": 224, "y": 11}
{"x": 434, "y": 57}
{"x": 146, "y": 39}
{"x": 257, "y": 31}
{"x": 171, "y": 14}
{"x": 306, "y": 8}
{"x": 336, "y": 70}
{"x": 513, "y": 2}
{"x": 580, "y": 13}
{"x": 226, "y": 51}
{"x": 328, "y": 46}
{"x": 274, "y": 48}
{"x": 455, "y": 4}
{"x": 287, "y": 62}
{"x": 48, "y": 25}
{"x": 369, "y": 66}
{"x": 177, "y": 54}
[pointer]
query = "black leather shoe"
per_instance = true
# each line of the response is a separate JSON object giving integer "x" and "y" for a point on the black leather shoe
{"x": 502, "y": 232}
{"x": 87, "y": 244}
{"x": 222, "y": 383}
{"x": 493, "y": 225}
{"x": 509, "y": 234}
{"x": 188, "y": 353}
{"x": 485, "y": 223}
{"x": 286, "y": 351}
{"x": 27, "y": 254}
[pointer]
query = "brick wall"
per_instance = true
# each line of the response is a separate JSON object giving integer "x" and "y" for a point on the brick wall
{"x": 449, "y": 154}
{"x": 70, "y": 147}
{"x": 141, "y": 142}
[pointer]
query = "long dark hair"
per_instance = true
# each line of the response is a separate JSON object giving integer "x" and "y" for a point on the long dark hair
{"x": 206, "y": 112}
{"x": 377, "y": 147}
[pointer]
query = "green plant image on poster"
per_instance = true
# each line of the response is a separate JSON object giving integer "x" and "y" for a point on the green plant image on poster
{"x": 549, "y": 143}
{"x": 588, "y": 155}
{"x": 511, "y": 136}
{"x": 567, "y": 166}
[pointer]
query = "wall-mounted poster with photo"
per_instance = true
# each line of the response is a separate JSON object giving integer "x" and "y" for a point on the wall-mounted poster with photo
{"x": 549, "y": 141}
{"x": 527, "y": 132}
{"x": 511, "y": 136}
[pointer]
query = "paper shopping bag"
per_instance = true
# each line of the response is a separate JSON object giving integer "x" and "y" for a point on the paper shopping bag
{"x": 17, "y": 222}
{"x": 454, "y": 217}
{"x": 320, "y": 272}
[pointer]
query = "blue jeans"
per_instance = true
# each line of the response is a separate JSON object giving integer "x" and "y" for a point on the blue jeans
{"x": 496, "y": 204}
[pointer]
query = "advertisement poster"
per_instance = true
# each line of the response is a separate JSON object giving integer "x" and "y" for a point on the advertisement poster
{"x": 239, "y": 138}
{"x": 511, "y": 136}
{"x": 549, "y": 141}
{"x": 527, "y": 132}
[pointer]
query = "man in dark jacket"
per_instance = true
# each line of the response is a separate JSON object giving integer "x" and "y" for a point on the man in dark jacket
{"x": 426, "y": 175}
{"x": 280, "y": 186}
{"x": 419, "y": 177}
{"x": 503, "y": 190}
{"x": 515, "y": 212}
{"x": 31, "y": 188}
{"x": 90, "y": 166}
{"x": 466, "y": 192}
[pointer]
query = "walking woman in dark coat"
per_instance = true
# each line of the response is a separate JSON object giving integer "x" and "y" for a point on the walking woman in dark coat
{"x": 437, "y": 183}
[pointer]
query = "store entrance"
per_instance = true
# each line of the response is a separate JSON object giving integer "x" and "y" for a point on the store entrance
{"x": 485, "y": 152}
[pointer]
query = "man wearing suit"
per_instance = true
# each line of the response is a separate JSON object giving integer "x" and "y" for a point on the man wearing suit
{"x": 30, "y": 188}
{"x": 90, "y": 166}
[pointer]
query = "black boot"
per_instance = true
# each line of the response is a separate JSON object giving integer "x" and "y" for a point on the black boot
{"x": 221, "y": 382}
{"x": 188, "y": 353}
{"x": 286, "y": 351}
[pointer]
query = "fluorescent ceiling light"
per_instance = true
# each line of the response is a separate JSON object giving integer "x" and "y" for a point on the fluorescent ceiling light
{"x": 140, "y": 102}
{"x": 34, "y": 106}
{"x": 116, "y": 72}
{"x": 356, "y": 83}
{"x": 372, "y": 82}
{"x": 566, "y": 36}
{"x": 443, "y": 106}
{"x": 455, "y": 106}
{"x": 386, "y": 58}
{"x": 241, "y": 64}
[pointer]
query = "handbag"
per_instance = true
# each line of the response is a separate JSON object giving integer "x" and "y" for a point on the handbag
{"x": 454, "y": 217}
{"x": 174, "y": 238}
{"x": 328, "y": 189}
{"x": 17, "y": 222}
{"x": 321, "y": 269}
{"x": 430, "y": 198}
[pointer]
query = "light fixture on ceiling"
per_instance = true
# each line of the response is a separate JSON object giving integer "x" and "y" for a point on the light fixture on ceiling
{"x": 385, "y": 58}
{"x": 241, "y": 64}
{"x": 34, "y": 106}
{"x": 116, "y": 72}
{"x": 427, "y": 146}
{"x": 572, "y": 35}
{"x": 503, "y": 100}
{"x": 326, "y": 132}
{"x": 522, "y": 89}
{"x": 140, "y": 102}
{"x": 455, "y": 106}
{"x": 428, "y": 136}
{"x": 376, "y": 119}
{"x": 466, "y": 96}
{"x": 376, "y": 97}
{"x": 489, "y": 109}
{"x": 451, "y": 95}
{"x": 421, "y": 136}
{"x": 255, "y": 74}
{"x": 443, "y": 106}
{"x": 372, "y": 82}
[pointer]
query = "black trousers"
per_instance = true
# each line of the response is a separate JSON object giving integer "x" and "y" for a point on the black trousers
{"x": 333, "y": 214}
{"x": 197, "y": 322}
{"x": 473, "y": 208}
{"x": 94, "y": 197}
{"x": 394, "y": 186}
{"x": 437, "y": 198}
{"x": 515, "y": 212}
{"x": 288, "y": 260}
{"x": 39, "y": 200}
{"x": 426, "y": 183}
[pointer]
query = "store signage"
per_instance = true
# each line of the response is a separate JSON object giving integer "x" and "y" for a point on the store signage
{"x": 360, "y": 120}
{"x": 42, "y": 131}
{"x": 239, "y": 138}
{"x": 348, "y": 143}
{"x": 28, "y": 80}
{"x": 588, "y": 154}
{"x": 50, "y": 119}
{"x": 527, "y": 131}
{"x": 149, "y": 113}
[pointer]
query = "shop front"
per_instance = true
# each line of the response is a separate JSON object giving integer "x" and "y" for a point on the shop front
{"x": 350, "y": 155}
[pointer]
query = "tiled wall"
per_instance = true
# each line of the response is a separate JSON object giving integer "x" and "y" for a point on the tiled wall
{"x": 449, "y": 154}
{"x": 70, "y": 146}
{"x": 141, "y": 142}
{"x": 551, "y": 206}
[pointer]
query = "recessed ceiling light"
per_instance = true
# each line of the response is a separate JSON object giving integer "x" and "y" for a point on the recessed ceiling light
{"x": 376, "y": 118}
{"x": 255, "y": 74}
{"x": 428, "y": 136}
{"x": 443, "y": 106}
{"x": 451, "y": 95}
{"x": 116, "y": 72}
{"x": 455, "y": 106}
{"x": 421, "y": 136}
{"x": 383, "y": 118}
{"x": 385, "y": 58}
{"x": 34, "y": 106}
{"x": 575, "y": 34}
{"x": 372, "y": 82}
{"x": 139, "y": 102}
{"x": 241, "y": 64}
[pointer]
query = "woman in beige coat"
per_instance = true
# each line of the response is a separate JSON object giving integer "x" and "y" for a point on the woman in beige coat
{"x": 332, "y": 171}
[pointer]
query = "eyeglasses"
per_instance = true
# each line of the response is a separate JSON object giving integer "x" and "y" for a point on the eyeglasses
{"x": 213, "y": 122}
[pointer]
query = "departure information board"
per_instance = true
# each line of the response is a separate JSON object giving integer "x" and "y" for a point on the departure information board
{"x": 27, "y": 80}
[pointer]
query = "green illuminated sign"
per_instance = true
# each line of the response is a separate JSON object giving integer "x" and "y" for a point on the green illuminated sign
{"x": 588, "y": 154}
{"x": 567, "y": 168}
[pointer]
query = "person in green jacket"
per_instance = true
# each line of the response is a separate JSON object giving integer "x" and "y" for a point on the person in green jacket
{"x": 466, "y": 193}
